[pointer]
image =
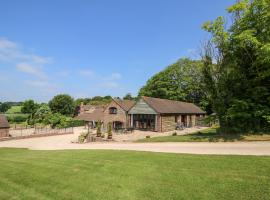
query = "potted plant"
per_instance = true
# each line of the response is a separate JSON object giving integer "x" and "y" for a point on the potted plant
{"x": 109, "y": 131}
{"x": 99, "y": 129}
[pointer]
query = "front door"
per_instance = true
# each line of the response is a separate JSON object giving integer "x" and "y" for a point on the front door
{"x": 184, "y": 120}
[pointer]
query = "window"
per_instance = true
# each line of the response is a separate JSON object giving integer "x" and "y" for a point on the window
{"x": 113, "y": 110}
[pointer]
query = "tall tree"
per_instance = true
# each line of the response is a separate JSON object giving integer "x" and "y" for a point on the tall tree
{"x": 63, "y": 104}
{"x": 236, "y": 67}
{"x": 29, "y": 106}
{"x": 4, "y": 107}
{"x": 179, "y": 81}
{"x": 129, "y": 96}
{"x": 42, "y": 112}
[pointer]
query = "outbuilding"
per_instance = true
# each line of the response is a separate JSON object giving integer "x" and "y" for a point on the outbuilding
{"x": 4, "y": 126}
{"x": 163, "y": 115}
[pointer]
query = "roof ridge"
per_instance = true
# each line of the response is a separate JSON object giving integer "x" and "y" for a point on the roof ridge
{"x": 171, "y": 106}
{"x": 166, "y": 99}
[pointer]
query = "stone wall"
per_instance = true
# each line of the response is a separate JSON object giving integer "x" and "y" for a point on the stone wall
{"x": 121, "y": 115}
{"x": 168, "y": 123}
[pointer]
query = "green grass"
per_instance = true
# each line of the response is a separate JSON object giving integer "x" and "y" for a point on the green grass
{"x": 208, "y": 135}
{"x": 14, "y": 110}
{"x": 18, "y": 114}
{"x": 127, "y": 175}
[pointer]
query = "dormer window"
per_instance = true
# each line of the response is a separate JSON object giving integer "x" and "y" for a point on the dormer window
{"x": 113, "y": 110}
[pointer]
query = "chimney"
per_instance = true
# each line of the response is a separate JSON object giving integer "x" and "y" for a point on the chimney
{"x": 81, "y": 108}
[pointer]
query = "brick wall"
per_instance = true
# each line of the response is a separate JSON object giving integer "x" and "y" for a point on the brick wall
{"x": 4, "y": 132}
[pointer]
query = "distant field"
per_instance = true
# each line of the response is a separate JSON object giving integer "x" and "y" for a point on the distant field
{"x": 208, "y": 135}
{"x": 14, "y": 110}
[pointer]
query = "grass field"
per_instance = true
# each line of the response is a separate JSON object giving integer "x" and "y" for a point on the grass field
{"x": 208, "y": 135}
{"x": 126, "y": 175}
{"x": 14, "y": 110}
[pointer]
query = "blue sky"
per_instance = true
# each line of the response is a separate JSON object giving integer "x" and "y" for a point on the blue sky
{"x": 95, "y": 47}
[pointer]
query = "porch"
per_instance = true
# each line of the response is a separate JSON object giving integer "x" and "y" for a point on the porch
{"x": 145, "y": 122}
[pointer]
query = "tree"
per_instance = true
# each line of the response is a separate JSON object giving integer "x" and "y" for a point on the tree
{"x": 236, "y": 68}
{"x": 128, "y": 96}
{"x": 4, "y": 107}
{"x": 42, "y": 112}
{"x": 180, "y": 81}
{"x": 62, "y": 104}
{"x": 29, "y": 107}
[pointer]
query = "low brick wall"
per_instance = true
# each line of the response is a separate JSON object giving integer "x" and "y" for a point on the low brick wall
{"x": 4, "y": 132}
{"x": 34, "y": 136}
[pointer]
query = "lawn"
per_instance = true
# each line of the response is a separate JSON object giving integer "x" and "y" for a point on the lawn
{"x": 127, "y": 175}
{"x": 14, "y": 110}
{"x": 208, "y": 135}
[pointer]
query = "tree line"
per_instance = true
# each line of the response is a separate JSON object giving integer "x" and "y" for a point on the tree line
{"x": 233, "y": 77}
{"x": 231, "y": 80}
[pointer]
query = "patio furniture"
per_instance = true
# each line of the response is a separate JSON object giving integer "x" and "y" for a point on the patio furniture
{"x": 179, "y": 126}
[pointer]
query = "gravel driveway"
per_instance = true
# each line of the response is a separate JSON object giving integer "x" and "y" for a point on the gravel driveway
{"x": 64, "y": 142}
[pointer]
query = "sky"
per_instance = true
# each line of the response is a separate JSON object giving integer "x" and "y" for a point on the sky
{"x": 88, "y": 48}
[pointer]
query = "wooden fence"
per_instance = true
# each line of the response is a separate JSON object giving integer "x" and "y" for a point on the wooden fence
{"x": 36, "y": 132}
{"x": 53, "y": 131}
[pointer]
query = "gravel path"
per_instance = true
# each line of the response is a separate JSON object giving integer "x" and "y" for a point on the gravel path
{"x": 64, "y": 142}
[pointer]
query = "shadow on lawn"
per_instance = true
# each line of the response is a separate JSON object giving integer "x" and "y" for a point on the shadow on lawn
{"x": 213, "y": 136}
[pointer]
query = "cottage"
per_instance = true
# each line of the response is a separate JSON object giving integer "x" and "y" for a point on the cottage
{"x": 4, "y": 126}
{"x": 163, "y": 115}
{"x": 147, "y": 113}
{"x": 91, "y": 114}
{"x": 117, "y": 113}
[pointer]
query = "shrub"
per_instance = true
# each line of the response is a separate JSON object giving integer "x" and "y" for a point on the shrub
{"x": 110, "y": 130}
{"x": 16, "y": 118}
{"x": 82, "y": 137}
{"x": 174, "y": 134}
{"x": 76, "y": 123}
{"x": 148, "y": 136}
{"x": 99, "y": 129}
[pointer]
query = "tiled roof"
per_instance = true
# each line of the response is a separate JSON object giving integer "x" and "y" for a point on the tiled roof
{"x": 125, "y": 104}
{"x": 169, "y": 106}
{"x": 3, "y": 122}
{"x": 96, "y": 115}
{"x": 86, "y": 107}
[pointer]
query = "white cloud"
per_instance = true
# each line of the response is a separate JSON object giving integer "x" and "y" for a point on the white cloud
{"x": 110, "y": 81}
{"x": 109, "y": 85}
{"x": 114, "y": 76}
{"x": 39, "y": 59}
{"x": 29, "y": 63}
{"x": 64, "y": 73}
{"x": 86, "y": 72}
{"x": 7, "y": 44}
{"x": 31, "y": 69}
{"x": 12, "y": 52}
{"x": 42, "y": 85}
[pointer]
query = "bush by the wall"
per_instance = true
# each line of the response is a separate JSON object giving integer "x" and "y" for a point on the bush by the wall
{"x": 76, "y": 123}
{"x": 17, "y": 118}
